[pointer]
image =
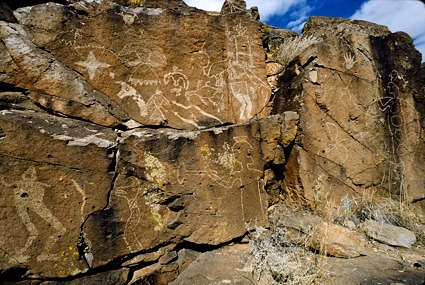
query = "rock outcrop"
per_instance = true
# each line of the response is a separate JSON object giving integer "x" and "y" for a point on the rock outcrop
{"x": 355, "y": 91}
{"x": 149, "y": 145}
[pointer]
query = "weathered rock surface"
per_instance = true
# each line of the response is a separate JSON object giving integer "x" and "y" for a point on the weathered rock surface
{"x": 324, "y": 237}
{"x": 202, "y": 187}
{"x": 225, "y": 266}
{"x": 374, "y": 269}
{"x": 192, "y": 71}
{"x": 49, "y": 164}
{"x": 389, "y": 234}
{"x": 354, "y": 88}
{"x": 135, "y": 143}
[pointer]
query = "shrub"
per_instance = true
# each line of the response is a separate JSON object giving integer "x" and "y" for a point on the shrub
{"x": 293, "y": 47}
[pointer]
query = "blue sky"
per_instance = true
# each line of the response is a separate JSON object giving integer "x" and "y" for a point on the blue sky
{"x": 398, "y": 15}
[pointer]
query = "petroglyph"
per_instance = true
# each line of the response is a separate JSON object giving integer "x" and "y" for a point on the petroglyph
{"x": 350, "y": 60}
{"x": 180, "y": 80}
{"x": 131, "y": 194}
{"x": 28, "y": 196}
{"x": 144, "y": 61}
{"x": 83, "y": 198}
{"x": 92, "y": 65}
{"x": 129, "y": 91}
{"x": 241, "y": 93}
{"x": 336, "y": 147}
{"x": 157, "y": 105}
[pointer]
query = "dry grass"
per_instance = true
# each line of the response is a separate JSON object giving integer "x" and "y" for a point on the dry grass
{"x": 293, "y": 47}
{"x": 282, "y": 256}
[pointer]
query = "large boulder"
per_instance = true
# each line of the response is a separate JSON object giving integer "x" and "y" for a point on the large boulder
{"x": 354, "y": 84}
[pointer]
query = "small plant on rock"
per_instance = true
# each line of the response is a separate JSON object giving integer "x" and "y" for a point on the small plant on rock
{"x": 293, "y": 47}
{"x": 277, "y": 260}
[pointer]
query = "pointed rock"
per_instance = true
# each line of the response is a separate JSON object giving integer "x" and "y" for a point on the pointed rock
{"x": 233, "y": 6}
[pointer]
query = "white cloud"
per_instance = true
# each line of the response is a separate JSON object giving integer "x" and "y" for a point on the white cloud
{"x": 208, "y": 5}
{"x": 267, "y": 8}
{"x": 407, "y": 16}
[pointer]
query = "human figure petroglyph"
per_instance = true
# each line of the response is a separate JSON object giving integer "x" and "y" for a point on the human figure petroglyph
{"x": 241, "y": 92}
{"x": 92, "y": 65}
{"x": 129, "y": 91}
{"x": 131, "y": 194}
{"x": 28, "y": 195}
{"x": 156, "y": 106}
{"x": 242, "y": 44}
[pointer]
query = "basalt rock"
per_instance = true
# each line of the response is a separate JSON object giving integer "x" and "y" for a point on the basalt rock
{"x": 354, "y": 85}
{"x": 136, "y": 143}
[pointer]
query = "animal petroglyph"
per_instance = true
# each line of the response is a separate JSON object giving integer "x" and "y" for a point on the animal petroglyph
{"x": 129, "y": 91}
{"x": 180, "y": 80}
{"x": 28, "y": 196}
{"x": 92, "y": 65}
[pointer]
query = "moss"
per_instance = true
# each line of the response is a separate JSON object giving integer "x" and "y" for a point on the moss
{"x": 136, "y": 3}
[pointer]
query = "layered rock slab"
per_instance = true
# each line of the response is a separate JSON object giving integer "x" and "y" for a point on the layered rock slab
{"x": 49, "y": 164}
{"x": 201, "y": 187}
{"x": 181, "y": 68}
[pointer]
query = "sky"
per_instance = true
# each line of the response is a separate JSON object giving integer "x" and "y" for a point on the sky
{"x": 398, "y": 15}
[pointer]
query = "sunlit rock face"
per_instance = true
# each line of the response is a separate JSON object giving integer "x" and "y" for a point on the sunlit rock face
{"x": 134, "y": 141}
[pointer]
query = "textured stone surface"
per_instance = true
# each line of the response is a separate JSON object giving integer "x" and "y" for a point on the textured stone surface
{"x": 49, "y": 164}
{"x": 192, "y": 71}
{"x": 134, "y": 141}
{"x": 226, "y": 266}
{"x": 200, "y": 186}
{"x": 389, "y": 234}
{"x": 335, "y": 240}
{"x": 360, "y": 127}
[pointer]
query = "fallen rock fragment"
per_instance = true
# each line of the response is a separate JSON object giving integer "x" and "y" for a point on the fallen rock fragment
{"x": 335, "y": 240}
{"x": 229, "y": 265}
{"x": 389, "y": 234}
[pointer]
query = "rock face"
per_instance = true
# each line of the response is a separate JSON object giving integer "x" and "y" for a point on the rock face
{"x": 148, "y": 66}
{"x": 361, "y": 130}
{"x": 145, "y": 145}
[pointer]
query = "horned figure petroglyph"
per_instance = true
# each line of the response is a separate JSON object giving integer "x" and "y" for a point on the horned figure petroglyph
{"x": 28, "y": 196}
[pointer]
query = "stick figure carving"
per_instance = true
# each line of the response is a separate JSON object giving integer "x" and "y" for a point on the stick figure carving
{"x": 131, "y": 194}
{"x": 28, "y": 195}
